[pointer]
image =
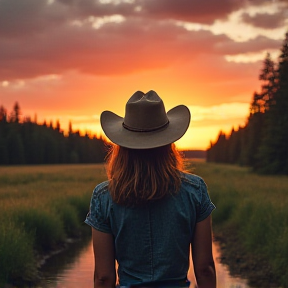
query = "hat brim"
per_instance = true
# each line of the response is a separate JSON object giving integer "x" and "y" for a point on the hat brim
{"x": 112, "y": 125}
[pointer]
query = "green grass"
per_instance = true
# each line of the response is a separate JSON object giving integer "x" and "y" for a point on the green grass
{"x": 255, "y": 205}
{"x": 40, "y": 206}
{"x": 17, "y": 258}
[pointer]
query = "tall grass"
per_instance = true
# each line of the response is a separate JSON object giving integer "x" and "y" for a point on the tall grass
{"x": 17, "y": 258}
{"x": 255, "y": 205}
{"x": 40, "y": 206}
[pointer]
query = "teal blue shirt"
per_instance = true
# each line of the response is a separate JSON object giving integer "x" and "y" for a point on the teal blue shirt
{"x": 152, "y": 242}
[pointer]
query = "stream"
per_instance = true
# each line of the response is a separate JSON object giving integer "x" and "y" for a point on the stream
{"x": 73, "y": 268}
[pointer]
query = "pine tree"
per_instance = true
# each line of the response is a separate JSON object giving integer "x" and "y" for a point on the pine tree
{"x": 3, "y": 114}
{"x": 15, "y": 115}
{"x": 58, "y": 127}
{"x": 273, "y": 152}
{"x": 70, "y": 130}
{"x": 218, "y": 150}
{"x": 262, "y": 101}
{"x": 233, "y": 147}
{"x": 252, "y": 137}
{"x": 15, "y": 147}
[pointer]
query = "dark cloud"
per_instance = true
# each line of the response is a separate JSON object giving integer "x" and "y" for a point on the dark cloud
{"x": 132, "y": 45}
{"x": 21, "y": 18}
{"x": 188, "y": 10}
{"x": 260, "y": 43}
{"x": 114, "y": 49}
{"x": 266, "y": 21}
{"x": 263, "y": 2}
{"x": 37, "y": 38}
{"x": 185, "y": 10}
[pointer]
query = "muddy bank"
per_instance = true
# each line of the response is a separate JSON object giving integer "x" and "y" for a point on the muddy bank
{"x": 255, "y": 268}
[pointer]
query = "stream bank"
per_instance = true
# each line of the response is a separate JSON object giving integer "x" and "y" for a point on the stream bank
{"x": 66, "y": 247}
{"x": 255, "y": 268}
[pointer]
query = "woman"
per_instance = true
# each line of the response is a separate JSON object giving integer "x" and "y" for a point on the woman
{"x": 149, "y": 212}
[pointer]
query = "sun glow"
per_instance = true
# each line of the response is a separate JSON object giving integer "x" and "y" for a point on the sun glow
{"x": 206, "y": 122}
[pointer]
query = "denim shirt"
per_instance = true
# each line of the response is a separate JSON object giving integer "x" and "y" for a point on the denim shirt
{"x": 152, "y": 242}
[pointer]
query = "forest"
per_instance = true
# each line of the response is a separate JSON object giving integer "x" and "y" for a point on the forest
{"x": 23, "y": 141}
{"x": 262, "y": 143}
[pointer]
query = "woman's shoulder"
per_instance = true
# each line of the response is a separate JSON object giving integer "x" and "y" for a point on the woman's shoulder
{"x": 101, "y": 190}
{"x": 99, "y": 208}
{"x": 103, "y": 186}
{"x": 192, "y": 179}
{"x": 195, "y": 187}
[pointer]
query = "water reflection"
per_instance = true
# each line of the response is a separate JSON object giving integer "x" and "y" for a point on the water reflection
{"x": 224, "y": 280}
{"x": 71, "y": 269}
{"x": 74, "y": 269}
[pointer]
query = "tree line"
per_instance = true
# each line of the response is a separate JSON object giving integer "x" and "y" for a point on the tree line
{"x": 263, "y": 142}
{"x": 23, "y": 141}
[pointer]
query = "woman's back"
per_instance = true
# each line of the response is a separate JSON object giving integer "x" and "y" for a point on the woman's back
{"x": 152, "y": 242}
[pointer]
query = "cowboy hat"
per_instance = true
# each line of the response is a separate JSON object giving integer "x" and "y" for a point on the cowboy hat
{"x": 146, "y": 124}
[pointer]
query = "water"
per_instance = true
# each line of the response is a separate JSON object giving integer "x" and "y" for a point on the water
{"x": 74, "y": 268}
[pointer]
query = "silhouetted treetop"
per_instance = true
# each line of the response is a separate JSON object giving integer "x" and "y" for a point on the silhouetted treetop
{"x": 25, "y": 142}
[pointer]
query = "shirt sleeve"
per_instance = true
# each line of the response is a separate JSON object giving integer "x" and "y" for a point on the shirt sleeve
{"x": 206, "y": 206}
{"x": 98, "y": 215}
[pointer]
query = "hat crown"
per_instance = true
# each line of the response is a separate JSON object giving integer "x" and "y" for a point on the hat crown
{"x": 145, "y": 112}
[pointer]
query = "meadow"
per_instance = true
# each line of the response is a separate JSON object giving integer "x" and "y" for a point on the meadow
{"x": 42, "y": 206}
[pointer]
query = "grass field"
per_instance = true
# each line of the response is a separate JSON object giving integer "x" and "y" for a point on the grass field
{"x": 40, "y": 206}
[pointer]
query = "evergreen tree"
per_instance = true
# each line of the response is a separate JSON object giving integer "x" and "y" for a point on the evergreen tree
{"x": 58, "y": 127}
{"x": 273, "y": 152}
{"x": 233, "y": 147}
{"x": 262, "y": 101}
{"x": 3, "y": 114}
{"x": 254, "y": 137}
{"x": 218, "y": 150}
{"x": 269, "y": 77}
{"x": 15, "y": 115}
{"x": 15, "y": 147}
{"x": 70, "y": 130}
{"x": 4, "y": 157}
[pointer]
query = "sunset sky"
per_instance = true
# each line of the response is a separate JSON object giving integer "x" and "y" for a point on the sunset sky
{"x": 71, "y": 59}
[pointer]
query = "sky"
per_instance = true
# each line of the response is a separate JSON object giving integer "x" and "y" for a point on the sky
{"x": 69, "y": 60}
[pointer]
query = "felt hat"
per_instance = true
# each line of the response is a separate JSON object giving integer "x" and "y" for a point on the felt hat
{"x": 146, "y": 124}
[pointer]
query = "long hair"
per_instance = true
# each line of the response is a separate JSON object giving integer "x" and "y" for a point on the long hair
{"x": 138, "y": 176}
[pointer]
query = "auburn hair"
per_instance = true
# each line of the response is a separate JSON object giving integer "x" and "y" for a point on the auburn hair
{"x": 138, "y": 176}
